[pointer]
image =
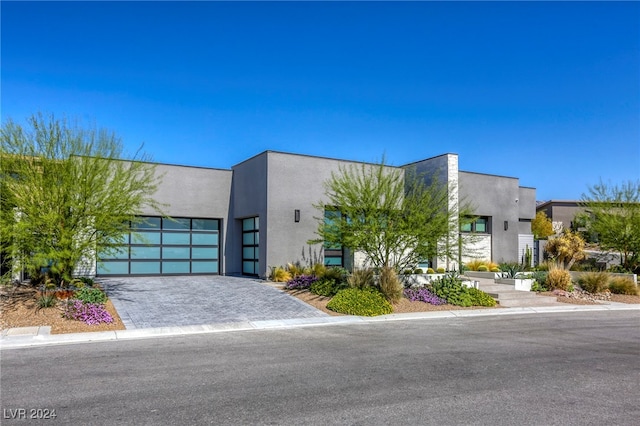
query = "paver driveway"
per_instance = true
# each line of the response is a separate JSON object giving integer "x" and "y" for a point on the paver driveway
{"x": 145, "y": 302}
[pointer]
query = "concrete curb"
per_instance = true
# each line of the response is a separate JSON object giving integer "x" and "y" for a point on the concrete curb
{"x": 40, "y": 336}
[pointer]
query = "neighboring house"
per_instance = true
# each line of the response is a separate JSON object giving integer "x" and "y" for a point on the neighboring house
{"x": 561, "y": 212}
{"x": 260, "y": 214}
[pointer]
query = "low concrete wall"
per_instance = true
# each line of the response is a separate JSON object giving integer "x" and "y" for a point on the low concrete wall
{"x": 520, "y": 284}
{"x": 487, "y": 275}
{"x": 420, "y": 280}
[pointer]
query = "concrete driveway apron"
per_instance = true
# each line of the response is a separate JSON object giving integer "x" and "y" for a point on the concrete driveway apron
{"x": 148, "y": 302}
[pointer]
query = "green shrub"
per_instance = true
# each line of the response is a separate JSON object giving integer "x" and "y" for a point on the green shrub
{"x": 361, "y": 278}
{"x": 544, "y": 266}
{"x": 366, "y": 302}
{"x": 77, "y": 283}
{"x": 593, "y": 282}
{"x": 407, "y": 271}
{"x": 335, "y": 273}
{"x": 430, "y": 271}
{"x": 47, "y": 300}
{"x": 90, "y": 295}
{"x": 539, "y": 281}
{"x": 496, "y": 269}
{"x": 87, "y": 281}
{"x": 558, "y": 279}
{"x": 623, "y": 285}
{"x": 441, "y": 270}
{"x": 390, "y": 286}
{"x": 480, "y": 298}
{"x": 537, "y": 287}
{"x": 418, "y": 271}
{"x": 483, "y": 268}
{"x": 619, "y": 269}
{"x": 326, "y": 287}
{"x": 451, "y": 289}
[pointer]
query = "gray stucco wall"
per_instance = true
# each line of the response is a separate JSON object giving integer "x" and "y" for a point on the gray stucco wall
{"x": 495, "y": 196}
{"x": 526, "y": 208}
{"x": 561, "y": 211}
{"x": 296, "y": 182}
{"x": 249, "y": 199}
{"x": 195, "y": 192}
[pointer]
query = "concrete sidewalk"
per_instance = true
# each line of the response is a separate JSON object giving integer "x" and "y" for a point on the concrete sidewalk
{"x": 40, "y": 336}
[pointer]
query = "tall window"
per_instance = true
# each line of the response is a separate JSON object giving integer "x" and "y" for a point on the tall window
{"x": 333, "y": 253}
{"x": 251, "y": 246}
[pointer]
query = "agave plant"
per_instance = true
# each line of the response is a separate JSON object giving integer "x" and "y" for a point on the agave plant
{"x": 511, "y": 270}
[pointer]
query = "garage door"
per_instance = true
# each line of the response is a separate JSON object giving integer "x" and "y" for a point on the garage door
{"x": 159, "y": 246}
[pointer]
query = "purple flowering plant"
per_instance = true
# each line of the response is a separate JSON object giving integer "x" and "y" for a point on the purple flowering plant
{"x": 89, "y": 313}
{"x": 423, "y": 295}
{"x": 301, "y": 282}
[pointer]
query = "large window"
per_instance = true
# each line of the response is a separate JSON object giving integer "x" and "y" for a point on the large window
{"x": 480, "y": 225}
{"x": 251, "y": 246}
{"x": 158, "y": 246}
{"x": 333, "y": 253}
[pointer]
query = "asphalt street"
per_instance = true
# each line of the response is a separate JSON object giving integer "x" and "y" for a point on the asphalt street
{"x": 580, "y": 368}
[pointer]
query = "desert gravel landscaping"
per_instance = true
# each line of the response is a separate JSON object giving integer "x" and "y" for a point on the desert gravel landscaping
{"x": 18, "y": 308}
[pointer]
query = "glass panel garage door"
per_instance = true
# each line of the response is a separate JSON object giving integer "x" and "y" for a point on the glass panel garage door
{"x": 158, "y": 246}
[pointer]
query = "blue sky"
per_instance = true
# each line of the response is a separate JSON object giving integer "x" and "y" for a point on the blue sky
{"x": 548, "y": 92}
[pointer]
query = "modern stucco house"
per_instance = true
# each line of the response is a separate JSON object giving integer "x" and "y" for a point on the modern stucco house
{"x": 561, "y": 212}
{"x": 260, "y": 214}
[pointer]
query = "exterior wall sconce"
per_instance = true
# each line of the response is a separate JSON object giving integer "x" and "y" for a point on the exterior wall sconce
{"x": 296, "y": 215}
{"x": 506, "y": 225}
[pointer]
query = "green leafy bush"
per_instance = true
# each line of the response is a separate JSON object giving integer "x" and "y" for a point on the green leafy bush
{"x": 558, "y": 279}
{"x": 537, "y": 287}
{"x": 430, "y": 271}
{"x": 451, "y": 289}
{"x": 619, "y": 269}
{"x": 335, "y": 273}
{"x": 623, "y": 285}
{"x": 326, "y": 287}
{"x": 366, "y": 302}
{"x": 483, "y": 268}
{"x": 90, "y": 295}
{"x": 495, "y": 269}
{"x": 441, "y": 270}
{"x": 87, "y": 281}
{"x": 480, "y": 298}
{"x": 593, "y": 282}
{"x": 418, "y": 271}
{"x": 539, "y": 281}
